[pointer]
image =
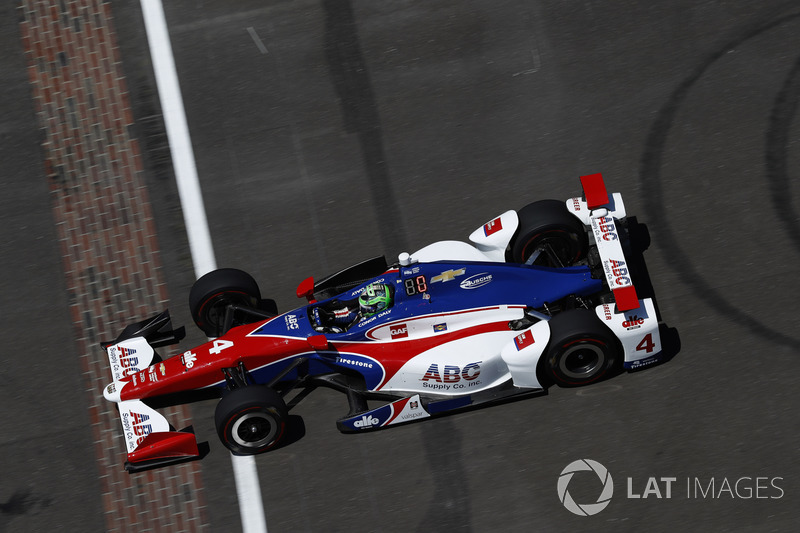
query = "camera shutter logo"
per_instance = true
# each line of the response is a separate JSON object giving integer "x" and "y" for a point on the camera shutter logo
{"x": 586, "y": 509}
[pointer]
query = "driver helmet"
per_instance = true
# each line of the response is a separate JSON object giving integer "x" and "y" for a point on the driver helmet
{"x": 375, "y": 298}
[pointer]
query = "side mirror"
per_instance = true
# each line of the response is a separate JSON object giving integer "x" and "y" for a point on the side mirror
{"x": 318, "y": 342}
{"x": 306, "y": 290}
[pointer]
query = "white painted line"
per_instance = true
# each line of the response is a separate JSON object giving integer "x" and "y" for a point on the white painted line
{"x": 248, "y": 489}
{"x": 256, "y": 39}
{"x": 169, "y": 91}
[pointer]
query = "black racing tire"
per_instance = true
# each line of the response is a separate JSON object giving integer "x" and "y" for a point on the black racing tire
{"x": 581, "y": 350}
{"x": 548, "y": 222}
{"x": 213, "y": 292}
{"x": 251, "y": 419}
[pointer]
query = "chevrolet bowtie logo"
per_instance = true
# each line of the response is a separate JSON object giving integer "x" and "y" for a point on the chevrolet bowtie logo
{"x": 448, "y": 275}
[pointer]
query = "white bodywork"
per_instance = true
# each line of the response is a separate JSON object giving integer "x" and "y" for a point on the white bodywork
{"x": 637, "y": 329}
{"x": 138, "y": 420}
{"x": 489, "y": 243}
{"x": 453, "y": 368}
{"x": 522, "y": 355}
{"x": 615, "y": 207}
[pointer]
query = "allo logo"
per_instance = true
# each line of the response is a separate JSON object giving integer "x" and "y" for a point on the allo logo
{"x": 585, "y": 509}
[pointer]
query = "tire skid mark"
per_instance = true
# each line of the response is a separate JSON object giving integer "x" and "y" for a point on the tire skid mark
{"x": 651, "y": 180}
{"x": 777, "y": 149}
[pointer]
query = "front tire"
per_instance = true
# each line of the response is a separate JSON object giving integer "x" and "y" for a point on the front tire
{"x": 214, "y": 292}
{"x": 548, "y": 227}
{"x": 581, "y": 350}
{"x": 251, "y": 419}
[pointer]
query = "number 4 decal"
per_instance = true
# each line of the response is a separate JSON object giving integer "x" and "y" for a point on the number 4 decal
{"x": 647, "y": 344}
{"x": 220, "y": 345}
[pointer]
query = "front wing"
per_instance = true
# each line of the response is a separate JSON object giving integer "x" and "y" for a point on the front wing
{"x": 149, "y": 439}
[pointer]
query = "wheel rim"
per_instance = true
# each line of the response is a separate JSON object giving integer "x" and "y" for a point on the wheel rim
{"x": 254, "y": 430}
{"x": 582, "y": 361}
{"x": 561, "y": 243}
{"x": 213, "y": 310}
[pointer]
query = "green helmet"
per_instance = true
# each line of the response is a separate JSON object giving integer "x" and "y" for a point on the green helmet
{"x": 375, "y": 298}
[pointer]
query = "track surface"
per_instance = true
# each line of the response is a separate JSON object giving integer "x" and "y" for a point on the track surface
{"x": 327, "y": 132}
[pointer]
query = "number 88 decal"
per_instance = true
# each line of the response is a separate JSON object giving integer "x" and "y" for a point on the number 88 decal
{"x": 416, "y": 285}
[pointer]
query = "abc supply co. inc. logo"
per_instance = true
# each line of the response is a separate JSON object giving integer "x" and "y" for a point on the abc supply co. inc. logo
{"x": 585, "y": 509}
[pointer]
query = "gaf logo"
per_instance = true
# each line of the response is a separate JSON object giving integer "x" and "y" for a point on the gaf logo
{"x": 478, "y": 280}
{"x": 492, "y": 227}
{"x": 398, "y": 332}
{"x": 367, "y": 421}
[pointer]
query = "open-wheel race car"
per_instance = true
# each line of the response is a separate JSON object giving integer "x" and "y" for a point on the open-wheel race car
{"x": 537, "y": 296}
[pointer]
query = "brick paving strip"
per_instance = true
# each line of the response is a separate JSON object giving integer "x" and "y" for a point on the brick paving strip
{"x": 107, "y": 237}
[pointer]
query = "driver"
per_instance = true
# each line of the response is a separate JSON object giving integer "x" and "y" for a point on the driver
{"x": 375, "y": 297}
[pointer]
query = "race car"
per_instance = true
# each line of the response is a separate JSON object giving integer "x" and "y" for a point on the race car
{"x": 544, "y": 295}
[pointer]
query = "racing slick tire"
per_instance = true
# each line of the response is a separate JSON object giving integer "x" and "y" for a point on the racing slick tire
{"x": 251, "y": 419}
{"x": 212, "y": 293}
{"x": 581, "y": 350}
{"x": 549, "y": 223}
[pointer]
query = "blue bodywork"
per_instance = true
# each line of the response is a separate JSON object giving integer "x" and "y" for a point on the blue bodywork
{"x": 448, "y": 287}
{"x": 433, "y": 288}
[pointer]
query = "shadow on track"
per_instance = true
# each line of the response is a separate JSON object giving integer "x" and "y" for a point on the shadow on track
{"x": 350, "y": 77}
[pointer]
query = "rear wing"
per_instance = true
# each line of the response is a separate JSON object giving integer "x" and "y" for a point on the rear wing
{"x": 599, "y": 210}
{"x": 634, "y": 321}
{"x": 149, "y": 439}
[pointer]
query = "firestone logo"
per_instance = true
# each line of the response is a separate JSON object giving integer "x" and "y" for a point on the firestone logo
{"x": 585, "y": 509}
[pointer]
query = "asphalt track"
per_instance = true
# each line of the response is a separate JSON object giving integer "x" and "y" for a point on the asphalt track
{"x": 327, "y": 132}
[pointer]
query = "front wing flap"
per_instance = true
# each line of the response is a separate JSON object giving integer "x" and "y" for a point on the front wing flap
{"x": 149, "y": 438}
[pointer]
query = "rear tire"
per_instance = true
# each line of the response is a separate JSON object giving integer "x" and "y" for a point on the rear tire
{"x": 581, "y": 350}
{"x": 251, "y": 419}
{"x": 548, "y": 223}
{"x": 213, "y": 292}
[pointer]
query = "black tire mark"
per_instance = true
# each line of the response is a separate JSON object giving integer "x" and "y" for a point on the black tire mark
{"x": 777, "y": 148}
{"x": 652, "y": 181}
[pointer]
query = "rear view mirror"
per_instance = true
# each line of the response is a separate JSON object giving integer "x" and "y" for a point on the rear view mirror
{"x": 318, "y": 342}
{"x": 306, "y": 290}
